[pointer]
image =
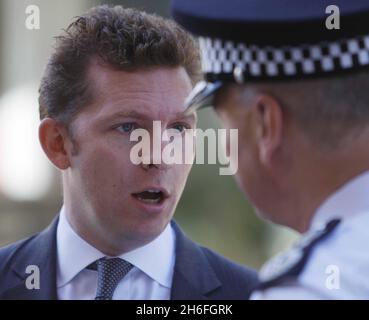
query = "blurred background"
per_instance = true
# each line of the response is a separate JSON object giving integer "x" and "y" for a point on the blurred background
{"x": 212, "y": 210}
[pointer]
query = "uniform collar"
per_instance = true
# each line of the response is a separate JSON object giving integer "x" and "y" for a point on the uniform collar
{"x": 156, "y": 259}
{"x": 348, "y": 201}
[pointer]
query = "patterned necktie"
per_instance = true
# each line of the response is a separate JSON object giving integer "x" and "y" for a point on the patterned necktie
{"x": 110, "y": 273}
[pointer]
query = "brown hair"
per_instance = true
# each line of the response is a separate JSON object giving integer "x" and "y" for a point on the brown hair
{"x": 125, "y": 39}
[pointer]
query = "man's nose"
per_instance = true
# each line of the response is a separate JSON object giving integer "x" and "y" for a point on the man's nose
{"x": 150, "y": 166}
{"x": 154, "y": 159}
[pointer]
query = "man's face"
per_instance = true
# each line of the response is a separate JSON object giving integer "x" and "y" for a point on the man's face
{"x": 109, "y": 192}
{"x": 234, "y": 114}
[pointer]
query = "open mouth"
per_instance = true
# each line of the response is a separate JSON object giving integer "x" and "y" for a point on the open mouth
{"x": 155, "y": 196}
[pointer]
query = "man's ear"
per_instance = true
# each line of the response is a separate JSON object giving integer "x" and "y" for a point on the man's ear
{"x": 269, "y": 116}
{"x": 53, "y": 139}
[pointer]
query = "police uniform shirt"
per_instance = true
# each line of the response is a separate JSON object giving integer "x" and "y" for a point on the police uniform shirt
{"x": 338, "y": 264}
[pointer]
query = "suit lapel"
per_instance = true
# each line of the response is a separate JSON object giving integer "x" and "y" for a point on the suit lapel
{"x": 39, "y": 251}
{"x": 193, "y": 278}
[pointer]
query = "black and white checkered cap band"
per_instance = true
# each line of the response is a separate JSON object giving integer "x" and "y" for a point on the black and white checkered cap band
{"x": 223, "y": 57}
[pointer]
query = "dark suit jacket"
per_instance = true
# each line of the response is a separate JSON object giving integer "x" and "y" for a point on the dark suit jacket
{"x": 199, "y": 273}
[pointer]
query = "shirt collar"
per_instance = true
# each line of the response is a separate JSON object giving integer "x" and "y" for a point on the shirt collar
{"x": 351, "y": 199}
{"x": 156, "y": 259}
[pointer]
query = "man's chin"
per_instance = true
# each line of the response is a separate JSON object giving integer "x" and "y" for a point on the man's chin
{"x": 264, "y": 215}
{"x": 272, "y": 217}
{"x": 145, "y": 232}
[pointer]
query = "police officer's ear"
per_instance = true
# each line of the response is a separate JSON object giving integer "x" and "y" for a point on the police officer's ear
{"x": 268, "y": 119}
{"x": 54, "y": 139}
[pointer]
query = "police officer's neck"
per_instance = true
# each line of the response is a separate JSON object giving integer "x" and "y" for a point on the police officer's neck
{"x": 322, "y": 174}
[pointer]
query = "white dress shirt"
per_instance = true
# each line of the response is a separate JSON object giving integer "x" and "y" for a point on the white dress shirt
{"x": 149, "y": 279}
{"x": 338, "y": 267}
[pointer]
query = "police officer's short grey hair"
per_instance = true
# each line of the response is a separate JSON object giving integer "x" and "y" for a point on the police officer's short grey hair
{"x": 331, "y": 111}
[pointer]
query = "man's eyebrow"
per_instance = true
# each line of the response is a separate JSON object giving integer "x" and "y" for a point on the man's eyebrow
{"x": 140, "y": 115}
{"x": 190, "y": 117}
{"x": 128, "y": 114}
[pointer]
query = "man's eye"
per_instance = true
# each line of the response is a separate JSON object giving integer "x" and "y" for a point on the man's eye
{"x": 179, "y": 127}
{"x": 126, "y": 127}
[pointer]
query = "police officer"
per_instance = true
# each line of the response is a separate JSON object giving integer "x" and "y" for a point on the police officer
{"x": 293, "y": 77}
